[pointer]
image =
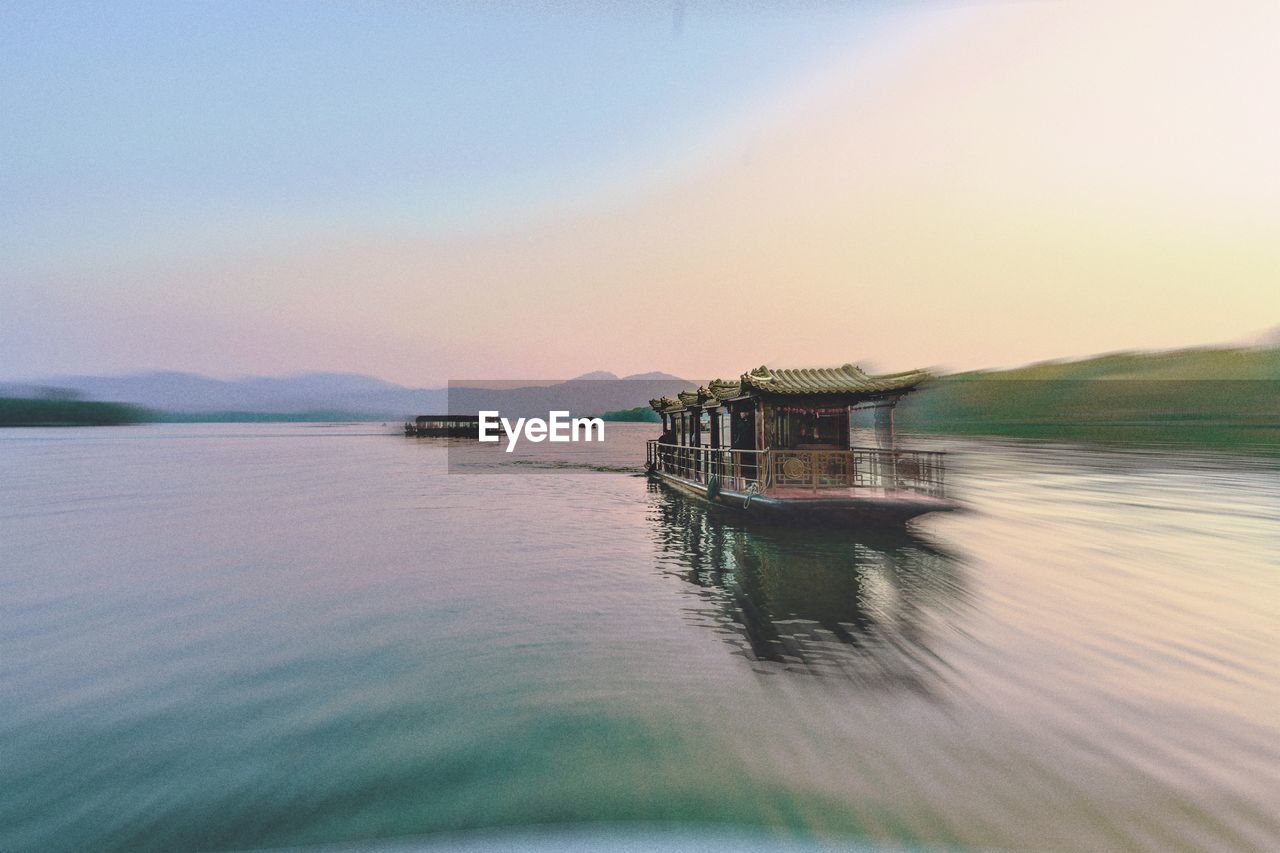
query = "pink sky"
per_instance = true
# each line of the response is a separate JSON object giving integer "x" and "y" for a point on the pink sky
{"x": 987, "y": 184}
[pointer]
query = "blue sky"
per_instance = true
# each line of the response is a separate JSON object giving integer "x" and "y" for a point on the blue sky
{"x": 154, "y": 127}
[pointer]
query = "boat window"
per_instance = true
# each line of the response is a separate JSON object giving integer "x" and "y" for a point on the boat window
{"x": 828, "y": 427}
{"x": 811, "y": 427}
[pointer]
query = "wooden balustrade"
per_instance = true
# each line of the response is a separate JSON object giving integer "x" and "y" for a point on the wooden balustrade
{"x": 736, "y": 469}
{"x": 919, "y": 471}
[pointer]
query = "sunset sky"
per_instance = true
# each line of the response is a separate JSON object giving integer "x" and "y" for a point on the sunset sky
{"x": 426, "y": 191}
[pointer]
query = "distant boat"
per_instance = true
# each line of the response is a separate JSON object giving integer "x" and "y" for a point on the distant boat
{"x": 444, "y": 426}
{"x": 778, "y": 442}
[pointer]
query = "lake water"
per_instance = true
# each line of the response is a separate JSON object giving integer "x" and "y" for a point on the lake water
{"x": 219, "y": 637}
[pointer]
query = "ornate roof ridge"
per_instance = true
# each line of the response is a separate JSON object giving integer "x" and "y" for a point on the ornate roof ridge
{"x": 845, "y": 379}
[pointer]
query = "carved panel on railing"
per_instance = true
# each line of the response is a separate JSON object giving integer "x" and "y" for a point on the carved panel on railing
{"x": 793, "y": 468}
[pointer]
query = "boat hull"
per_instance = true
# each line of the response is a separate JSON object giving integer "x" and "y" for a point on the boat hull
{"x": 848, "y": 507}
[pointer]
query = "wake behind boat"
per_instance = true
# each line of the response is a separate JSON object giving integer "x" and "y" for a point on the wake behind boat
{"x": 779, "y": 442}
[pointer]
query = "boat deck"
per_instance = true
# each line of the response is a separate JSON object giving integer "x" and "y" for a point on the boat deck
{"x": 864, "y": 503}
{"x": 850, "y": 493}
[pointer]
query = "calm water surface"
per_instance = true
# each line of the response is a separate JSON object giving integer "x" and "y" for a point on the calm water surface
{"x": 223, "y": 637}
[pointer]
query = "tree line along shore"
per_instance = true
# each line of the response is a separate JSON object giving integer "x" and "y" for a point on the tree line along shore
{"x": 40, "y": 412}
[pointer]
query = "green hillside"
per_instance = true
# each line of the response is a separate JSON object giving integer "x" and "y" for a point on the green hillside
{"x": 640, "y": 414}
{"x": 24, "y": 412}
{"x": 1180, "y": 365}
{"x": 1211, "y": 397}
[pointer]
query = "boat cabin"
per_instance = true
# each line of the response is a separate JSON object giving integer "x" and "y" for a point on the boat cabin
{"x": 786, "y": 434}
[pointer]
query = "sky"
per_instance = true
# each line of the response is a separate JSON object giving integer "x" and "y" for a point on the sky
{"x": 435, "y": 191}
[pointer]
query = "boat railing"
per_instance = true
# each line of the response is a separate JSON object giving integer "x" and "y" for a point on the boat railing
{"x": 737, "y": 470}
{"x": 921, "y": 471}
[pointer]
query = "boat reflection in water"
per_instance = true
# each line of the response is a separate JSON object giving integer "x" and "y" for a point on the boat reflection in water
{"x": 860, "y": 606}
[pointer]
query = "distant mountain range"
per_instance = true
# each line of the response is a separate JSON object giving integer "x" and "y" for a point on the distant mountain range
{"x": 604, "y": 374}
{"x": 1223, "y": 395}
{"x": 345, "y": 395}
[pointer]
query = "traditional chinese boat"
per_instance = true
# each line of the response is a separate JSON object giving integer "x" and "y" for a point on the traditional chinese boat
{"x": 779, "y": 442}
{"x": 444, "y": 426}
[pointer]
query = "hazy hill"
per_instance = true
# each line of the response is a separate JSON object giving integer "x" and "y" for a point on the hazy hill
{"x": 349, "y": 395}
{"x": 169, "y": 391}
{"x": 655, "y": 374}
{"x": 604, "y": 374}
{"x": 1222, "y": 397}
{"x": 579, "y": 396}
{"x": 1201, "y": 363}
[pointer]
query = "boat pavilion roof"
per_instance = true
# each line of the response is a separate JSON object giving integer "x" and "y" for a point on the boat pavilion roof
{"x": 849, "y": 381}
